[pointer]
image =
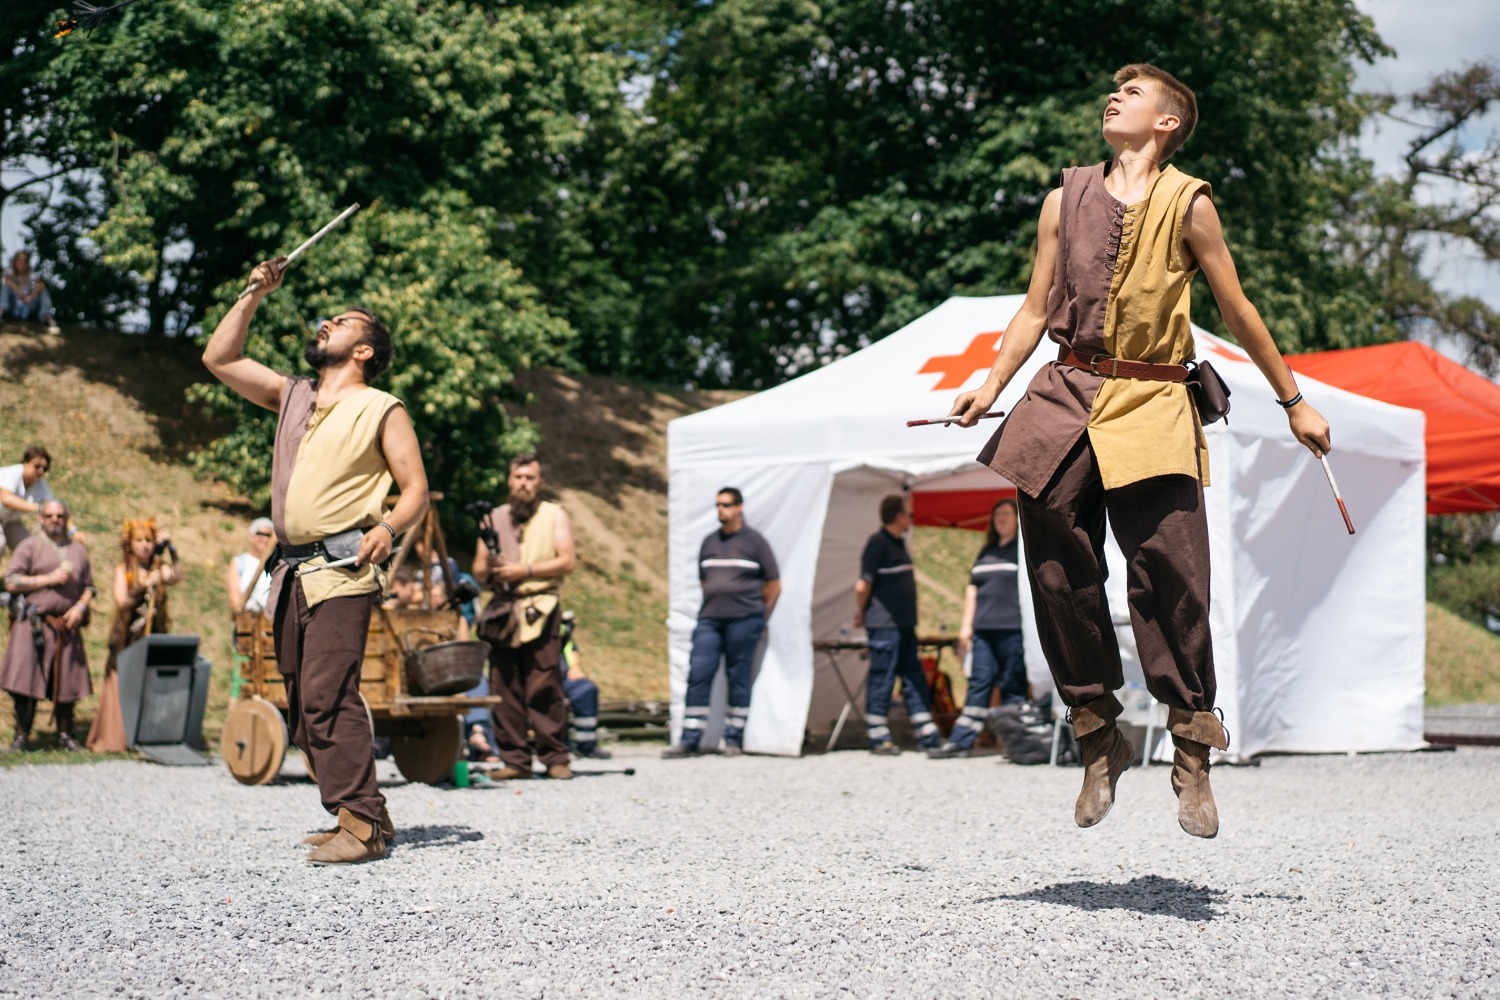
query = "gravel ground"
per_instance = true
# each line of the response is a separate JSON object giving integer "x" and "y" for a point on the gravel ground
{"x": 836, "y": 876}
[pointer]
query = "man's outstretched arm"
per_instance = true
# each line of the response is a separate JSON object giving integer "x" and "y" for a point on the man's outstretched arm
{"x": 1205, "y": 238}
{"x": 225, "y": 353}
{"x": 1026, "y": 329}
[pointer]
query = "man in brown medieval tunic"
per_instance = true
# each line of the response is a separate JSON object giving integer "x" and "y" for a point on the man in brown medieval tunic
{"x": 536, "y": 552}
{"x": 1110, "y": 428}
{"x": 54, "y": 575}
{"x": 339, "y": 446}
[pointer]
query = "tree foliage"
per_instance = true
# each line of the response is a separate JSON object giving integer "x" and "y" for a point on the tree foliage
{"x": 224, "y": 131}
{"x": 815, "y": 173}
{"x": 716, "y": 193}
{"x": 1444, "y": 200}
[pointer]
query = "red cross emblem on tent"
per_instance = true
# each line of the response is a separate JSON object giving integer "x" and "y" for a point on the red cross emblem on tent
{"x": 955, "y": 369}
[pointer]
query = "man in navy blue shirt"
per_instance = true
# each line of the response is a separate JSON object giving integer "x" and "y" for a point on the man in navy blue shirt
{"x": 740, "y": 586}
{"x": 886, "y": 608}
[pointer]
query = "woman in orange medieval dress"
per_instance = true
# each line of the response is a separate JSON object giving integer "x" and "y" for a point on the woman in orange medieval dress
{"x": 141, "y": 582}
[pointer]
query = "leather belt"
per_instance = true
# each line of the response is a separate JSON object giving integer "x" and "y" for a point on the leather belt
{"x": 1103, "y": 364}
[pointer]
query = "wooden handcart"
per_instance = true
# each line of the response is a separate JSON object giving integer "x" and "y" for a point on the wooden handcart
{"x": 426, "y": 732}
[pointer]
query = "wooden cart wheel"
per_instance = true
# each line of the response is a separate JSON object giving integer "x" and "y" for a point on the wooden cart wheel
{"x": 369, "y": 717}
{"x": 254, "y": 741}
{"x": 428, "y": 756}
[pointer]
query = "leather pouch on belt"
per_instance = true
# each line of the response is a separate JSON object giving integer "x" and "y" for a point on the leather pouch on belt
{"x": 535, "y": 612}
{"x": 344, "y": 545}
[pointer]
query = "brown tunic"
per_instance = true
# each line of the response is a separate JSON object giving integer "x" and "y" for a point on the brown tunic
{"x": 1119, "y": 289}
{"x": 21, "y": 673}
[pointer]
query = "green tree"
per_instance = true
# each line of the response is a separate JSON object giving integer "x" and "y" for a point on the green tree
{"x": 1442, "y": 198}
{"x": 403, "y": 261}
{"x": 815, "y": 173}
{"x": 478, "y": 137}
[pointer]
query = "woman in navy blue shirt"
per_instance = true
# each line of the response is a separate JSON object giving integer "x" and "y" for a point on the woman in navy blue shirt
{"x": 992, "y": 629}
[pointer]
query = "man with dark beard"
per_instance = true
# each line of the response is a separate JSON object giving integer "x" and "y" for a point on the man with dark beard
{"x": 339, "y": 446}
{"x": 536, "y": 552}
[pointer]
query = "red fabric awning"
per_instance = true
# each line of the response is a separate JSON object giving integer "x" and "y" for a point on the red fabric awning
{"x": 956, "y": 508}
{"x": 1463, "y": 414}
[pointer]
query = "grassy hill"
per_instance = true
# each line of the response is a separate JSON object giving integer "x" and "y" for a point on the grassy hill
{"x": 110, "y": 409}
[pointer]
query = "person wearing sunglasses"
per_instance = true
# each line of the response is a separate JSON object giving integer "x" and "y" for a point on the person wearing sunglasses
{"x": 741, "y": 583}
{"x": 247, "y": 582}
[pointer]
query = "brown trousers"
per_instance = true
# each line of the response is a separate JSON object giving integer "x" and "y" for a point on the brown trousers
{"x": 1162, "y": 529}
{"x": 319, "y": 652}
{"x": 529, "y": 681}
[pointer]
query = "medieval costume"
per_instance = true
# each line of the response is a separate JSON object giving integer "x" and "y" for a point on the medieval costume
{"x": 142, "y": 612}
{"x": 45, "y": 659}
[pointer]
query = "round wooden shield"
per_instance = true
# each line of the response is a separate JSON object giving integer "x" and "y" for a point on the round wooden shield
{"x": 254, "y": 741}
{"x": 428, "y": 757}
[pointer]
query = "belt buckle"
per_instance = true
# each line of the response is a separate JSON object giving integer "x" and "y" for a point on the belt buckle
{"x": 1094, "y": 366}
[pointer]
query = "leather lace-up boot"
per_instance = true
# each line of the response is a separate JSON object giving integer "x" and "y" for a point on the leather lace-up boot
{"x": 1193, "y": 735}
{"x": 1106, "y": 755}
{"x": 387, "y": 831}
{"x": 358, "y": 840}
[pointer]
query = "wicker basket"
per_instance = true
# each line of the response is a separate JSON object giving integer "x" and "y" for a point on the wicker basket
{"x": 444, "y": 668}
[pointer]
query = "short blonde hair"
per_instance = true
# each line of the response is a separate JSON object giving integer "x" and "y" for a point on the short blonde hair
{"x": 1176, "y": 98}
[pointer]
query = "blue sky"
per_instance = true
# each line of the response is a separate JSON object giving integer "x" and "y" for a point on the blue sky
{"x": 1431, "y": 36}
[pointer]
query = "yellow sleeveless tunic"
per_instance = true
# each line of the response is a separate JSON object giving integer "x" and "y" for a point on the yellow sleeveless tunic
{"x": 1140, "y": 429}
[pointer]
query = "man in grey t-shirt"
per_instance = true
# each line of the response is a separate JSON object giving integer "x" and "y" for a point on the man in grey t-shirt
{"x": 740, "y": 586}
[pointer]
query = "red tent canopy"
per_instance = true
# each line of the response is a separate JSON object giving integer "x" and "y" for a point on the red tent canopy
{"x": 1463, "y": 414}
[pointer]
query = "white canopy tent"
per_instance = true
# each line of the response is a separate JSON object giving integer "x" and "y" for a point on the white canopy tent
{"x": 1319, "y": 637}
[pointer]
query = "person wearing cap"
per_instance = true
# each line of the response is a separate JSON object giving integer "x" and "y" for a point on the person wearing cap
{"x": 247, "y": 581}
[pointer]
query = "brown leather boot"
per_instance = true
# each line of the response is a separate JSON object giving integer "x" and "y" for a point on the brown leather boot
{"x": 1106, "y": 755}
{"x": 560, "y": 772}
{"x": 387, "y": 831}
{"x": 1193, "y": 735}
{"x": 511, "y": 773}
{"x": 358, "y": 840}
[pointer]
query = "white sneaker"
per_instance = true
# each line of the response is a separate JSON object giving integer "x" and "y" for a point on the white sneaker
{"x": 52, "y": 326}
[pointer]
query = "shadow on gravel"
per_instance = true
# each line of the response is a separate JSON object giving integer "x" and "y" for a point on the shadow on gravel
{"x": 414, "y": 837}
{"x": 1150, "y": 894}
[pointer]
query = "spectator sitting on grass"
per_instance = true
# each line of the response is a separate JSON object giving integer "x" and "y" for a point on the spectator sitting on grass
{"x": 24, "y": 296}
